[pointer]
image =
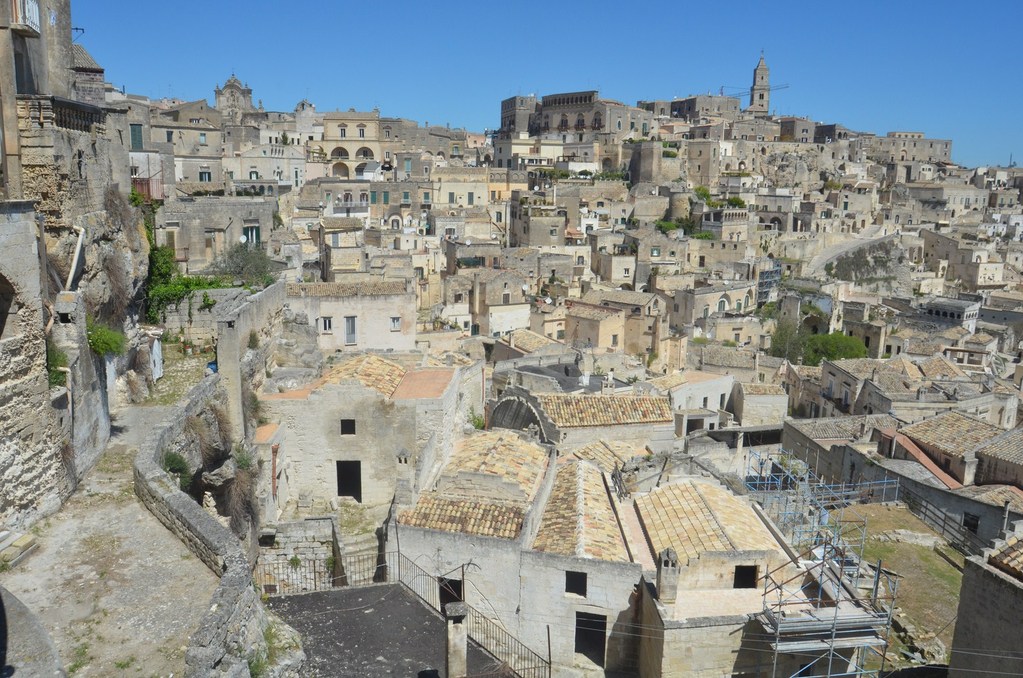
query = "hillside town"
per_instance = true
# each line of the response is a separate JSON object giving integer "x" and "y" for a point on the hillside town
{"x": 679, "y": 387}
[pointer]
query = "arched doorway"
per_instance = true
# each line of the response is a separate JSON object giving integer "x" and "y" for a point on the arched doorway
{"x": 339, "y": 170}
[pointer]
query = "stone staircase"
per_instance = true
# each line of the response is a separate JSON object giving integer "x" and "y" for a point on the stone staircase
{"x": 15, "y": 547}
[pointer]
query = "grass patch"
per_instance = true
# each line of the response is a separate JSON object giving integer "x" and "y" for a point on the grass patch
{"x": 929, "y": 589}
{"x": 125, "y": 663}
{"x": 79, "y": 658}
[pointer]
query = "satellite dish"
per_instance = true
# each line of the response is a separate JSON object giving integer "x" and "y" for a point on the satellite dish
{"x": 525, "y": 288}
{"x": 243, "y": 239}
{"x": 549, "y": 300}
{"x": 468, "y": 242}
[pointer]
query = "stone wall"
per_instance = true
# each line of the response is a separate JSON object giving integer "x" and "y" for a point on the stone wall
{"x": 199, "y": 325}
{"x": 33, "y": 446}
{"x": 233, "y": 628}
{"x": 987, "y": 626}
{"x": 259, "y": 321}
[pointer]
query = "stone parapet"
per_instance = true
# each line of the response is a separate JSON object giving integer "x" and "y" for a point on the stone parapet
{"x": 232, "y": 630}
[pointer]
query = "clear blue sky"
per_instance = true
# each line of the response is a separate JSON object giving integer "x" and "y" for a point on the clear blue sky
{"x": 936, "y": 67}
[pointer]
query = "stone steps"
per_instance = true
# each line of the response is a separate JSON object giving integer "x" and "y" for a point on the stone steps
{"x": 15, "y": 547}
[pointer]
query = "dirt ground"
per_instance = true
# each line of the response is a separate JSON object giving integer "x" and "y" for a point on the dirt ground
{"x": 118, "y": 592}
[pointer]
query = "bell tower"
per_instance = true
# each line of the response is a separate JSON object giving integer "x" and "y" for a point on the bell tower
{"x": 760, "y": 92}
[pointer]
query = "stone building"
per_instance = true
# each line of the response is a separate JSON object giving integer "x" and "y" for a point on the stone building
{"x": 356, "y": 316}
{"x": 988, "y": 634}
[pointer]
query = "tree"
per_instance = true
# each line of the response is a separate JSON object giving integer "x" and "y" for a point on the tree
{"x": 736, "y": 201}
{"x": 249, "y": 264}
{"x": 702, "y": 192}
{"x": 834, "y": 346}
{"x": 284, "y": 138}
{"x": 788, "y": 341}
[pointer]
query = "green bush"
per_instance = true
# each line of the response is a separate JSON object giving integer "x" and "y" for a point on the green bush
{"x": 736, "y": 201}
{"x": 247, "y": 263}
{"x": 702, "y": 235}
{"x": 477, "y": 420}
{"x": 174, "y": 463}
{"x": 702, "y": 192}
{"x": 104, "y": 340}
{"x": 669, "y": 154}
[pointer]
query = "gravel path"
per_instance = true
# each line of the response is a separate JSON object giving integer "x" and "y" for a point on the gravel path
{"x": 118, "y": 592}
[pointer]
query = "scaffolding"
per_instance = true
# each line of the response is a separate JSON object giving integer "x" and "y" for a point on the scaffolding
{"x": 823, "y": 609}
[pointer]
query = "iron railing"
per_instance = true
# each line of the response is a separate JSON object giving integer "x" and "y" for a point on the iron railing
{"x": 961, "y": 539}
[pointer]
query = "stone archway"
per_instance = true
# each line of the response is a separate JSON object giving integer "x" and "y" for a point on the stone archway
{"x": 340, "y": 170}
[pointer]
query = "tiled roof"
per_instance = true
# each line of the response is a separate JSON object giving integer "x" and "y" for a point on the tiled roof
{"x": 1009, "y": 558}
{"x": 618, "y": 297}
{"x": 469, "y": 517}
{"x": 423, "y": 383}
{"x": 81, "y": 59}
{"x": 606, "y": 454}
{"x": 578, "y": 519}
{"x": 995, "y": 495}
{"x": 571, "y": 411}
{"x": 841, "y": 428}
{"x": 441, "y": 360}
{"x": 500, "y": 453}
{"x": 762, "y": 389}
{"x": 368, "y": 288}
{"x": 940, "y": 367}
{"x": 695, "y": 517}
{"x": 668, "y": 381}
{"x": 588, "y": 312}
{"x": 1006, "y": 446}
{"x": 342, "y": 223}
{"x": 528, "y": 340}
{"x": 372, "y": 370}
{"x": 951, "y": 432}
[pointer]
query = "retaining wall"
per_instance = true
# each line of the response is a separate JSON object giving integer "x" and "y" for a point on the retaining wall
{"x": 232, "y": 628}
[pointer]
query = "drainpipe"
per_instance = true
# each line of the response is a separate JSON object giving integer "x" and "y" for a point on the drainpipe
{"x": 78, "y": 253}
{"x": 1005, "y": 517}
{"x": 273, "y": 469}
{"x": 53, "y": 314}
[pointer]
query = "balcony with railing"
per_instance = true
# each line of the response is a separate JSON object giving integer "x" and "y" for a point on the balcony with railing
{"x": 25, "y": 17}
{"x": 37, "y": 111}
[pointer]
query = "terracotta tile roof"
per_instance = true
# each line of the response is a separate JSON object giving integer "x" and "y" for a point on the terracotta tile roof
{"x": 606, "y": 454}
{"x": 940, "y": 367}
{"x": 574, "y": 411}
{"x": 762, "y": 389}
{"x": 528, "y": 340}
{"x": 423, "y": 383}
{"x": 996, "y": 495}
{"x": 1009, "y": 558}
{"x": 588, "y": 312}
{"x": 435, "y": 512}
{"x": 951, "y": 432}
{"x": 375, "y": 288}
{"x": 578, "y": 519}
{"x": 1007, "y": 446}
{"x": 841, "y": 428}
{"x": 371, "y": 370}
{"x": 457, "y": 359}
{"x": 695, "y": 517}
{"x": 503, "y": 454}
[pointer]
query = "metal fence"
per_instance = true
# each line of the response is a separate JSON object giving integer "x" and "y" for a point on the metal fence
{"x": 948, "y": 526}
{"x": 513, "y": 655}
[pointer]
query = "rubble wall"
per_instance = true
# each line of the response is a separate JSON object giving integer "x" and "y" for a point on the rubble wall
{"x": 232, "y": 629}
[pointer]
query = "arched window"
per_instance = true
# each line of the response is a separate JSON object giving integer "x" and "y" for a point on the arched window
{"x": 722, "y": 305}
{"x": 564, "y": 121}
{"x": 706, "y": 311}
{"x": 738, "y": 305}
{"x": 580, "y": 121}
{"x": 598, "y": 121}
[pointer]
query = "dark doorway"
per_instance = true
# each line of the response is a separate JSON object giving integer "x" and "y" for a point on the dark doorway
{"x": 745, "y": 577}
{"x": 450, "y": 591}
{"x": 349, "y": 479}
{"x": 590, "y": 636}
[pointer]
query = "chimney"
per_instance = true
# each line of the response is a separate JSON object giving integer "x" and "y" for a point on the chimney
{"x": 457, "y": 666}
{"x": 667, "y": 576}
